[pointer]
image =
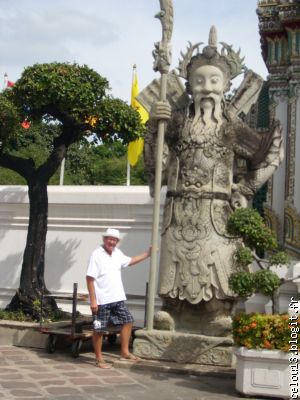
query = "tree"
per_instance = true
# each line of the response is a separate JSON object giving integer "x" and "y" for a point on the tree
{"x": 101, "y": 165}
{"x": 87, "y": 163}
{"x": 67, "y": 102}
{"x": 257, "y": 239}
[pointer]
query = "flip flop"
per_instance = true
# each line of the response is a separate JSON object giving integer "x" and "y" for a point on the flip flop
{"x": 130, "y": 357}
{"x": 103, "y": 365}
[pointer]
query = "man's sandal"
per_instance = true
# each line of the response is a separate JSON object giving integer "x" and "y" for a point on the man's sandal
{"x": 130, "y": 357}
{"x": 103, "y": 365}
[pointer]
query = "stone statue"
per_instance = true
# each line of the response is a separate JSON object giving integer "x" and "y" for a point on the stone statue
{"x": 213, "y": 163}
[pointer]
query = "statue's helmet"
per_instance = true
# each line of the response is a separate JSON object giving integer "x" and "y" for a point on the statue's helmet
{"x": 228, "y": 61}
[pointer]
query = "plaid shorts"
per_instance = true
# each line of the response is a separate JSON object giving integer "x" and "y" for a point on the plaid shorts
{"x": 112, "y": 314}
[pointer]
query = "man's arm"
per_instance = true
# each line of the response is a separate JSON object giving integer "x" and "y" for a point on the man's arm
{"x": 91, "y": 290}
{"x": 140, "y": 257}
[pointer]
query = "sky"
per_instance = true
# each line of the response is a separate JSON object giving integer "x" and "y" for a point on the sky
{"x": 111, "y": 36}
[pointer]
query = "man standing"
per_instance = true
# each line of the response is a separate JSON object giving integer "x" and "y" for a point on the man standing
{"x": 107, "y": 293}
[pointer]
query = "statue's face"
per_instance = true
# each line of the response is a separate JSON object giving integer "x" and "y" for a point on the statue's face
{"x": 207, "y": 81}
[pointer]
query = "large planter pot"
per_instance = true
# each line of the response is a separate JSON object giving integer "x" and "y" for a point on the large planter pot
{"x": 263, "y": 372}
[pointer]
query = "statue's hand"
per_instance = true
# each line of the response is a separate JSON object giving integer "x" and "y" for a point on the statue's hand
{"x": 271, "y": 150}
{"x": 161, "y": 110}
{"x": 238, "y": 200}
{"x": 276, "y": 150}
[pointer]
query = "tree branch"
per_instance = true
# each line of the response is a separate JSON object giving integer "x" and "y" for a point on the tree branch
{"x": 291, "y": 279}
{"x": 260, "y": 261}
{"x": 24, "y": 167}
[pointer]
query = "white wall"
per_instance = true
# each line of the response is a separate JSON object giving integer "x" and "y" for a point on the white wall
{"x": 78, "y": 215}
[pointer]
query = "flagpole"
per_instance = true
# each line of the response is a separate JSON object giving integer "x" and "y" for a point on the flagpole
{"x": 128, "y": 163}
{"x": 162, "y": 55}
{"x": 5, "y": 81}
{"x": 62, "y": 172}
{"x": 128, "y": 174}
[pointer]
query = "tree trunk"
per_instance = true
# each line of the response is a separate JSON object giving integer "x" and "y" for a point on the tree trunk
{"x": 275, "y": 301}
{"x": 32, "y": 283}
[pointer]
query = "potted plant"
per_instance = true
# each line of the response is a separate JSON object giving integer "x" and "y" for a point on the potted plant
{"x": 265, "y": 358}
{"x": 262, "y": 341}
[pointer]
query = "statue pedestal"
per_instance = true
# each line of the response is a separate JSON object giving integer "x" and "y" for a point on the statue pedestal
{"x": 183, "y": 347}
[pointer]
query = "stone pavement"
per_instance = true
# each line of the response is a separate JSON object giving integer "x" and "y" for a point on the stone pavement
{"x": 27, "y": 373}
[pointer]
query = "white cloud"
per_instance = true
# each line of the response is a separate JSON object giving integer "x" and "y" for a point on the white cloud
{"x": 111, "y": 36}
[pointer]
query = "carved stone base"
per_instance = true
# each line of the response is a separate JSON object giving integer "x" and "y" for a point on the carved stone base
{"x": 183, "y": 347}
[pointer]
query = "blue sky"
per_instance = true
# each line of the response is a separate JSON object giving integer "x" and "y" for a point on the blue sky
{"x": 112, "y": 35}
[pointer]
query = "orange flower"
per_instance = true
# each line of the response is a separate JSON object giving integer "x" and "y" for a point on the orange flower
{"x": 267, "y": 344}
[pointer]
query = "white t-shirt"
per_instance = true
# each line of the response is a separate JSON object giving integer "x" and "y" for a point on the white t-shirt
{"x": 106, "y": 270}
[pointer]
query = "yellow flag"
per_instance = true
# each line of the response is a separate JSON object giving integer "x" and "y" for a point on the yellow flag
{"x": 135, "y": 148}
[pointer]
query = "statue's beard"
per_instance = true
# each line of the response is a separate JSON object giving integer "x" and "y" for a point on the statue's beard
{"x": 208, "y": 110}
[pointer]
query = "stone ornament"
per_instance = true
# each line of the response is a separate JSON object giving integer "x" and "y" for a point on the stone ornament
{"x": 205, "y": 140}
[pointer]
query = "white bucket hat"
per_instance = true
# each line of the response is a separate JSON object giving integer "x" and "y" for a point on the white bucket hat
{"x": 115, "y": 233}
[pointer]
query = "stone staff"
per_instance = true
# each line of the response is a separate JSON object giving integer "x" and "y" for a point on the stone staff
{"x": 162, "y": 61}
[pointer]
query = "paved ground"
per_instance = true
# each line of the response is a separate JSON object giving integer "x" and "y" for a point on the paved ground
{"x": 33, "y": 374}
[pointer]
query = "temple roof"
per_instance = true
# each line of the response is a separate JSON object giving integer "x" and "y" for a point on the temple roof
{"x": 278, "y": 19}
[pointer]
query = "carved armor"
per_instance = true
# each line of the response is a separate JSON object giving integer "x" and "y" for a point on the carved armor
{"x": 199, "y": 171}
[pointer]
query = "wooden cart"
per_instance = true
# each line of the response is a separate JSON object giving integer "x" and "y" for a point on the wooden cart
{"x": 71, "y": 330}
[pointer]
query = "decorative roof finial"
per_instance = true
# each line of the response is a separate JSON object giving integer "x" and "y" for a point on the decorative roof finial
{"x": 213, "y": 37}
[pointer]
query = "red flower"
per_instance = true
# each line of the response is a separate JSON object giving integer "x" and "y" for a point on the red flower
{"x": 25, "y": 124}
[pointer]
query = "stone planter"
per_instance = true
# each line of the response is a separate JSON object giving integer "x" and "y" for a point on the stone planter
{"x": 24, "y": 334}
{"x": 263, "y": 372}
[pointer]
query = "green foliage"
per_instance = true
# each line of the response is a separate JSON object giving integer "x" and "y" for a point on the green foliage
{"x": 266, "y": 282}
{"x": 75, "y": 94}
{"x": 105, "y": 164}
{"x": 60, "y": 96}
{"x": 279, "y": 258}
{"x": 242, "y": 283}
{"x": 262, "y": 331}
{"x": 248, "y": 224}
{"x": 9, "y": 118}
{"x": 112, "y": 172}
{"x": 243, "y": 256}
{"x": 52, "y": 316}
{"x": 35, "y": 143}
{"x": 75, "y": 90}
{"x": 116, "y": 117}
{"x": 138, "y": 174}
{"x": 9, "y": 177}
{"x": 14, "y": 316}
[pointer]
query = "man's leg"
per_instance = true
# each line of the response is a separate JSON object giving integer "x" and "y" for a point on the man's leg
{"x": 125, "y": 336}
{"x": 102, "y": 319}
{"x": 122, "y": 316}
{"x": 97, "y": 344}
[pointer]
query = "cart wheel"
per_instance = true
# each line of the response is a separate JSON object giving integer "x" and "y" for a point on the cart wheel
{"x": 76, "y": 346}
{"x": 51, "y": 343}
{"x": 112, "y": 338}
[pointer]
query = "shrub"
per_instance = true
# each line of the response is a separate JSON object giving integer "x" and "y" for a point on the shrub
{"x": 54, "y": 316}
{"x": 266, "y": 282}
{"x": 242, "y": 283}
{"x": 14, "y": 316}
{"x": 258, "y": 239}
{"x": 243, "y": 257}
{"x": 262, "y": 331}
{"x": 248, "y": 224}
